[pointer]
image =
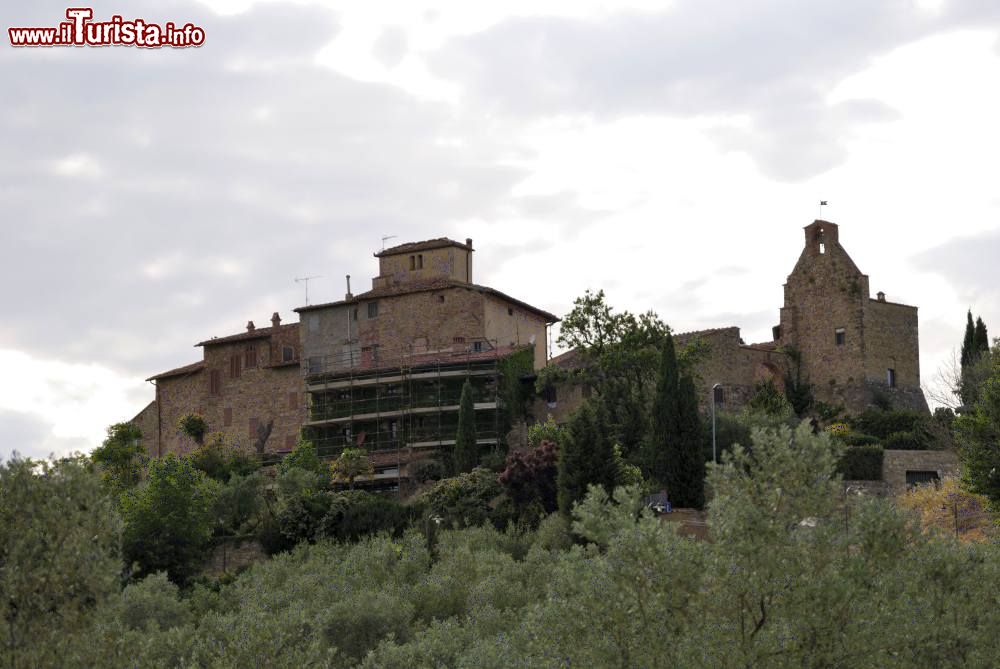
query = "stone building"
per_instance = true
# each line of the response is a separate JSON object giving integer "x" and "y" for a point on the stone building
{"x": 246, "y": 385}
{"x": 384, "y": 368}
{"x": 850, "y": 346}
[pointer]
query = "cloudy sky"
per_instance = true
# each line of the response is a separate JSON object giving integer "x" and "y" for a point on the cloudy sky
{"x": 668, "y": 151}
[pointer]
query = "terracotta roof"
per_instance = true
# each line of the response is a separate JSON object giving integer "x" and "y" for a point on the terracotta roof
{"x": 186, "y": 369}
{"x": 440, "y": 242}
{"x": 259, "y": 333}
{"x": 425, "y": 286}
{"x": 703, "y": 333}
{"x": 572, "y": 359}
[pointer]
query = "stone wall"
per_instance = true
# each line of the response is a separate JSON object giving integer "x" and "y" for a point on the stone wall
{"x": 147, "y": 421}
{"x": 733, "y": 365}
{"x": 895, "y": 464}
{"x": 450, "y": 262}
{"x": 233, "y": 555}
{"x": 273, "y": 390}
{"x": 508, "y": 324}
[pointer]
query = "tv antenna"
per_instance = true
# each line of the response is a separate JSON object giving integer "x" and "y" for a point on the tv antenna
{"x": 305, "y": 280}
{"x": 386, "y": 238}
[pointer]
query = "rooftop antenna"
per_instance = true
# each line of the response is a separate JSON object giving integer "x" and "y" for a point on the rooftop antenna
{"x": 822, "y": 203}
{"x": 386, "y": 238}
{"x": 305, "y": 280}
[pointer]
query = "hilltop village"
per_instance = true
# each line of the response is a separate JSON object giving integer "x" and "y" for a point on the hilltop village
{"x": 383, "y": 369}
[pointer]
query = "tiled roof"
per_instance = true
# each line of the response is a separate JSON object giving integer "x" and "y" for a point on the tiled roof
{"x": 571, "y": 359}
{"x": 704, "y": 333}
{"x": 186, "y": 369}
{"x": 425, "y": 286}
{"x": 259, "y": 333}
{"x": 440, "y": 242}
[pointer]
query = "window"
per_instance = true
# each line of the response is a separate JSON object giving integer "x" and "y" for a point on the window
{"x": 719, "y": 395}
{"x": 440, "y": 298}
{"x": 215, "y": 382}
{"x": 287, "y": 353}
{"x": 420, "y": 261}
{"x": 413, "y": 263}
{"x": 252, "y": 428}
{"x": 372, "y": 309}
{"x": 315, "y": 365}
{"x": 822, "y": 248}
{"x": 354, "y": 314}
{"x": 510, "y": 312}
{"x": 250, "y": 357}
{"x": 477, "y": 346}
{"x": 915, "y": 478}
{"x": 234, "y": 367}
{"x": 839, "y": 336}
{"x": 891, "y": 377}
{"x": 458, "y": 340}
{"x": 227, "y": 416}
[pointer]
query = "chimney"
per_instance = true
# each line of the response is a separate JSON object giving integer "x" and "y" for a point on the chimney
{"x": 468, "y": 242}
{"x": 349, "y": 295}
{"x": 881, "y": 296}
{"x": 275, "y": 320}
{"x": 250, "y": 326}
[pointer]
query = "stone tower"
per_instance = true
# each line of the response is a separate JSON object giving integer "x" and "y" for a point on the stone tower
{"x": 852, "y": 347}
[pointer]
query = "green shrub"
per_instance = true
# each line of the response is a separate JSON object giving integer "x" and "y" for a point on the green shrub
{"x": 905, "y": 441}
{"x": 356, "y": 625}
{"x": 304, "y": 456}
{"x": 881, "y": 424}
{"x": 464, "y": 500}
{"x": 861, "y": 463}
{"x": 857, "y": 439}
{"x": 354, "y": 514}
{"x": 425, "y": 470}
{"x": 153, "y": 604}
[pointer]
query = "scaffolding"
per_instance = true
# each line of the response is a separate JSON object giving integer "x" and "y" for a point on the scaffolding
{"x": 401, "y": 406}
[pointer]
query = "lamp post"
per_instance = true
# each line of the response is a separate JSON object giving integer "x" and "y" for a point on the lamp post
{"x": 715, "y": 389}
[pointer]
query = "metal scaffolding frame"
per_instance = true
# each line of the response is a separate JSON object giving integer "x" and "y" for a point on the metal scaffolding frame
{"x": 364, "y": 398}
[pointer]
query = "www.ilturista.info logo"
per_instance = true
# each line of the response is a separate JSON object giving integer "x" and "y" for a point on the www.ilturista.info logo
{"x": 81, "y": 31}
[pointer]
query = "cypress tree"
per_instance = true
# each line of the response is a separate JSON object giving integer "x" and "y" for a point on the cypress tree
{"x": 980, "y": 340}
{"x": 666, "y": 421}
{"x": 686, "y": 485}
{"x": 466, "y": 453}
{"x": 586, "y": 457}
{"x": 969, "y": 341}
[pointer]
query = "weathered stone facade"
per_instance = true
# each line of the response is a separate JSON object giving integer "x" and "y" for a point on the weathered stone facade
{"x": 432, "y": 308}
{"x": 243, "y": 381}
{"x": 851, "y": 347}
{"x": 898, "y": 466}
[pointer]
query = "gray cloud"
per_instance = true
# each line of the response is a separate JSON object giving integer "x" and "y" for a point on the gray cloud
{"x": 772, "y": 61}
{"x": 969, "y": 264}
{"x": 153, "y": 198}
{"x": 31, "y": 437}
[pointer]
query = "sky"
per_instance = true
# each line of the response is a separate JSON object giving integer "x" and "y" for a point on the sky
{"x": 667, "y": 151}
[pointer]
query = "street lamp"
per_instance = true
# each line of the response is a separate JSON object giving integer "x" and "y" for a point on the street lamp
{"x": 715, "y": 390}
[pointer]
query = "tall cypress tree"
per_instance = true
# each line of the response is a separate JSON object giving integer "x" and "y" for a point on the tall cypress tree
{"x": 980, "y": 340}
{"x": 666, "y": 421}
{"x": 466, "y": 454}
{"x": 586, "y": 457}
{"x": 686, "y": 487}
{"x": 969, "y": 341}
